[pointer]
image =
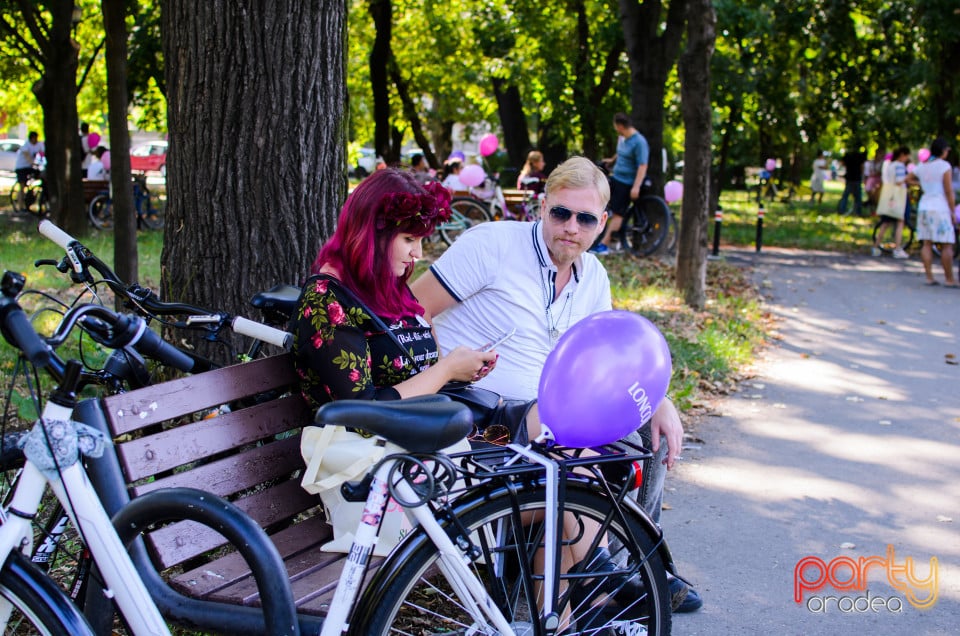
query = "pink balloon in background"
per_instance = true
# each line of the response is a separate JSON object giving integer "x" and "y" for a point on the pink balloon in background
{"x": 923, "y": 154}
{"x": 472, "y": 175}
{"x": 93, "y": 140}
{"x": 489, "y": 144}
{"x": 105, "y": 160}
{"x": 605, "y": 378}
{"x": 771, "y": 165}
{"x": 672, "y": 191}
{"x": 911, "y": 168}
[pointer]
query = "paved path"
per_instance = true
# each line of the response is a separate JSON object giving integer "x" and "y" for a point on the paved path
{"x": 846, "y": 441}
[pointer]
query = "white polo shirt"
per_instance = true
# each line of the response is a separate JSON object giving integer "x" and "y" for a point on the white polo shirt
{"x": 501, "y": 276}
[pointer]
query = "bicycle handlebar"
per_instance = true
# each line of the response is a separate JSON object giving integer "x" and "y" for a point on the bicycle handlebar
{"x": 145, "y": 301}
{"x": 18, "y": 330}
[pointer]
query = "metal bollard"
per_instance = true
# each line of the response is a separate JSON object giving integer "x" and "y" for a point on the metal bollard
{"x": 717, "y": 223}
{"x": 760, "y": 214}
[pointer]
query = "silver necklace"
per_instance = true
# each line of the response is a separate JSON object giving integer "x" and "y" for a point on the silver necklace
{"x": 553, "y": 325}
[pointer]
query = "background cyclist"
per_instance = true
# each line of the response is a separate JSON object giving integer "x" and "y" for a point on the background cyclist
{"x": 628, "y": 176}
{"x": 24, "y": 167}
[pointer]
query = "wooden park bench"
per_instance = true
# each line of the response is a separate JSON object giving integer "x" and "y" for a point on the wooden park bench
{"x": 173, "y": 434}
{"x": 93, "y": 188}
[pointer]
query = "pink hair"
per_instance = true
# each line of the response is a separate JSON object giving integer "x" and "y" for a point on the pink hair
{"x": 387, "y": 203}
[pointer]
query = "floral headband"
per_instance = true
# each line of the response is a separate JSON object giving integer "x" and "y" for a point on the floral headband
{"x": 419, "y": 212}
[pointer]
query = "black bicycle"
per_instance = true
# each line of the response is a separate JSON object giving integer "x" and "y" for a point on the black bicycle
{"x": 30, "y": 197}
{"x": 648, "y": 226}
{"x": 100, "y": 210}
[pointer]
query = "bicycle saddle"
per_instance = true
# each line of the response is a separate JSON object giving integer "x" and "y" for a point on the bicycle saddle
{"x": 279, "y": 298}
{"x": 419, "y": 425}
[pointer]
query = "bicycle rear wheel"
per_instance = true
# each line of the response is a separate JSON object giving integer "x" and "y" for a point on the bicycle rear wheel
{"x": 646, "y": 225}
{"x": 467, "y": 212}
{"x": 36, "y": 604}
{"x": 34, "y": 200}
{"x": 412, "y": 596}
{"x": 100, "y": 212}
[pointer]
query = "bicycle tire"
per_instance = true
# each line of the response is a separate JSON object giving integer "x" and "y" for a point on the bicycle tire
{"x": 38, "y": 605}
{"x": 906, "y": 238}
{"x": 646, "y": 225}
{"x": 467, "y": 212}
{"x": 99, "y": 212}
{"x": 15, "y": 197}
{"x": 397, "y": 598}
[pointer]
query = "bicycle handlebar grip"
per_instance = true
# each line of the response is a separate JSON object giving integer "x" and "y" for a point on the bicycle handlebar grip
{"x": 260, "y": 331}
{"x": 55, "y": 234}
{"x": 26, "y": 338}
{"x": 153, "y": 346}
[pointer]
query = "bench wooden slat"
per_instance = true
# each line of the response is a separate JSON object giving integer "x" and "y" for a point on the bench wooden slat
{"x": 236, "y": 473}
{"x": 231, "y": 569}
{"x": 135, "y": 410}
{"x": 179, "y": 542}
{"x": 184, "y": 444}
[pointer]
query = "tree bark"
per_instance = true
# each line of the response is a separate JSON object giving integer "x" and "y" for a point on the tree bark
{"x": 652, "y": 45}
{"x": 56, "y": 91}
{"x": 380, "y": 57}
{"x": 697, "y": 119}
{"x": 256, "y": 168}
{"x": 124, "y": 215}
{"x": 516, "y": 135}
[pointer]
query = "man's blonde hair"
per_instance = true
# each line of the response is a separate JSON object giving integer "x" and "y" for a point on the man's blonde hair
{"x": 579, "y": 173}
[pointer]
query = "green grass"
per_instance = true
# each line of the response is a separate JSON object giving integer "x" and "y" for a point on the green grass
{"x": 797, "y": 224}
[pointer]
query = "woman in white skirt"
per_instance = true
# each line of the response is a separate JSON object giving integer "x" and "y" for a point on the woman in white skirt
{"x": 935, "y": 223}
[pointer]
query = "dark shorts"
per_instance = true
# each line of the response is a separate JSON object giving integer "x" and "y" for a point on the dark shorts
{"x": 619, "y": 197}
{"x": 24, "y": 174}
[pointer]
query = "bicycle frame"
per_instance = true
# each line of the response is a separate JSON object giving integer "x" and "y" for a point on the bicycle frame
{"x": 76, "y": 494}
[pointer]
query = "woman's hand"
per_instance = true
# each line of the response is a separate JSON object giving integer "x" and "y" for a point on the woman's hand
{"x": 468, "y": 365}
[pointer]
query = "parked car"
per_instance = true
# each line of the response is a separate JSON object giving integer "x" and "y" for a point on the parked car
{"x": 8, "y": 154}
{"x": 149, "y": 157}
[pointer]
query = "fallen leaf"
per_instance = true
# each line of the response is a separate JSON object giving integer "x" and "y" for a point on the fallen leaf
{"x": 666, "y": 506}
{"x": 950, "y": 356}
{"x": 881, "y": 322}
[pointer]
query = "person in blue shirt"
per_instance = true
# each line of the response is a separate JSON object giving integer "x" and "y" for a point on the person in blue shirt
{"x": 629, "y": 174}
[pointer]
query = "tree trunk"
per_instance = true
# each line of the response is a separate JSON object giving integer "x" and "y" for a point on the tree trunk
{"x": 256, "y": 165}
{"x": 56, "y": 91}
{"x": 380, "y": 57}
{"x": 697, "y": 119}
{"x": 516, "y": 135}
{"x": 124, "y": 214}
{"x": 652, "y": 54}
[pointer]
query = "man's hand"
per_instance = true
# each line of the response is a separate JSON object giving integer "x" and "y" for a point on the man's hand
{"x": 666, "y": 422}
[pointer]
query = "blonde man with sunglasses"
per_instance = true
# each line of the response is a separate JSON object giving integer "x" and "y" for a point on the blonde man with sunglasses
{"x": 539, "y": 278}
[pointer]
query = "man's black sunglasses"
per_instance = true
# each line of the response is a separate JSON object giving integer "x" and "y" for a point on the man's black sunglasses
{"x": 586, "y": 220}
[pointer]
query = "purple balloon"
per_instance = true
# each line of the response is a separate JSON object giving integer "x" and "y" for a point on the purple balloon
{"x": 605, "y": 378}
{"x": 456, "y": 154}
{"x": 672, "y": 191}
{"x": 771, "y": 165}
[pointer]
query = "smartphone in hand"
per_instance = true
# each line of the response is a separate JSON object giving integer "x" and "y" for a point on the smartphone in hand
{"x": 506, "y": 335}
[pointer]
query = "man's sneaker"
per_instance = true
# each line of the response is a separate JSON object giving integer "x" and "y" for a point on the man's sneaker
{"x": 600, "y": 250}
{"x": 899, "y": 253}
{"x": 683, "y": 598}
{"x": 875, "y": 251}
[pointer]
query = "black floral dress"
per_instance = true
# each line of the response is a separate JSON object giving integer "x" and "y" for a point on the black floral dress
{"x": 341, "y": 354}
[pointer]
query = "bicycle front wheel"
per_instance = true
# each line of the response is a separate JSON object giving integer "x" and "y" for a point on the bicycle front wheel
{"x": 467, "y": 212}
{"x": 35, "y": 604}
{"x": 414, "y": 597}
{"x": 100, "y": 213}
{"x": 646, "y": 225}
{"x": 15, "y": 191}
